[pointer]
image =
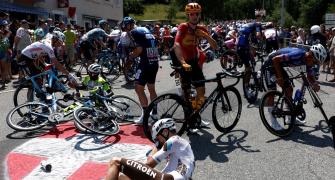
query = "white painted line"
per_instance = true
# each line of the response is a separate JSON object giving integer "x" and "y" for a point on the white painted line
{"x": 8, "y": 91}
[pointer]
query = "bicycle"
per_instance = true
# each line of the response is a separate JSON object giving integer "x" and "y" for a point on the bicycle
{"x": 180, "y": 109}
{"x": 110, "y": 63}
{"x": 288, "y": 109}
{"x": 257, "y": 79}
{"x": 229, "y": 58}
{"x": 41, "y": 86}
{"x": 129, "y": 69}
{"x": 105, "y": 113}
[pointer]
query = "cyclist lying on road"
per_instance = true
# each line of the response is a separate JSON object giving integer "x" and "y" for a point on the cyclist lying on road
{"x": 177, "y": 150}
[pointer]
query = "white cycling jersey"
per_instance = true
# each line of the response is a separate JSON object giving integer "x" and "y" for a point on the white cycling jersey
{"x": 180, "y": 158}
{"x": 38, "y": 49}
{"x": 125, "y": 39}
{"x": 270, "y": 34}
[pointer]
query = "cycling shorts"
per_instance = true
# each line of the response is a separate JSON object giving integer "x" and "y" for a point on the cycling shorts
{"x": 87, "y": 49}
{"x": 245, "y": 55}
{"x": 146, "y": 74}
{"x": 136, "y": 170}
{"x": 189, "y": 77}
{"x": 270, "y": 76}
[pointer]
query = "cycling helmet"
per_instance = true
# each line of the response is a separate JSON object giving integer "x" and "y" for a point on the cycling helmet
{"x": 315, "y": 29}
{"x": 58, "y": 35}
{"x": 192, "y": 8}
{"x": 127, "y": 20}
{"x": 3, "y": 22}
{"x": 39, "y": 33}
{"x": 102, "y": 22}
{"x": 94, "y": 68}
{"x": 269, "y": 25}
{"x": 166, "y": 123}
{"x": 319, "y": 52}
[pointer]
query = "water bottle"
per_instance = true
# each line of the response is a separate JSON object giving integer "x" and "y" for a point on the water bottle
{"x": 178, "y": 85}
{"x": 297, "y": 95}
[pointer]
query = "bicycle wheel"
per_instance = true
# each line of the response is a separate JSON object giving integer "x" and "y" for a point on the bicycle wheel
{"x": 276, "y": 112}
{"x": 110, "y": 70}
{"x": 168, "y": 106}
{"x": 96, "y": 121}
{"x": 34, "y": 116}
{"x": 127, "y": 109}
{"x": 229, "y": 60}
{"x": 23, "y": 94}
{"x": 227, "y": 107}
{"x": 250, "y": 89}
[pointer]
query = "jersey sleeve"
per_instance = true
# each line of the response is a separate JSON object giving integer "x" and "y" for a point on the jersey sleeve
{"x": 166, "y": 150}
{"x": 182, "y": 29}
{"x": 49, "y": 51}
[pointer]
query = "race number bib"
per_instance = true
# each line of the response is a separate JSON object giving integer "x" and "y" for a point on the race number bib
{"x": 152, "y": 54}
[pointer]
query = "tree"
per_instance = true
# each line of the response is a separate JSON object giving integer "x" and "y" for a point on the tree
{"x": 132, "y": 7}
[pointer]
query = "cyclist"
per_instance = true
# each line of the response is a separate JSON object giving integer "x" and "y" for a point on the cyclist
{"x": 93, "y": 40}
{"x": 93, "y": 81}
{"x": 271, "y": 38}
{"x": 186, "y": 43}
{"x": 290, "y": 57}
{"x": 248, "y": 31}
{"x": 125, "y": 43}
{"x": 36, "y": 56}
{"x": 172, "y": 147}
{"x": 146, "y": 49}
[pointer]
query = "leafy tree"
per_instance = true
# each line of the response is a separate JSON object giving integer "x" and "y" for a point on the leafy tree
{"x": 132, "y": 7}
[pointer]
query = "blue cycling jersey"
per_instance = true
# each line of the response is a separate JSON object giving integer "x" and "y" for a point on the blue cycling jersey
{"x": 245, "y": 32}
{"x": 291, "y": 57}
{"x": 142, "y": 37}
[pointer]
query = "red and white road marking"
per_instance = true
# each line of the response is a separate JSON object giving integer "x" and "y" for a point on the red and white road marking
{"x": 73, "y": 155}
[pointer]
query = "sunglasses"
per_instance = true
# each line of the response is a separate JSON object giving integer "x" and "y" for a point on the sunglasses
{"x": 194, "y": 14}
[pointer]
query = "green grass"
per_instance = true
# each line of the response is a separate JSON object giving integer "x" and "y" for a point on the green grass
{"x": 158, "y": 12}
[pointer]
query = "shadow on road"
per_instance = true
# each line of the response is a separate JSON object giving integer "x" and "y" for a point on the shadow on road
{"x": 203, "y": 146}
{"x": 306, "y": 137}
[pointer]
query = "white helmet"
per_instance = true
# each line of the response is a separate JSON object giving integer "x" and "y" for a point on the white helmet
{"x": 94, "y": 68}
{"x": 319, "y": 52}
{"x": 166, "y": 123}
{"x": 58, "y": 35}
{"x": 315, "y": 29}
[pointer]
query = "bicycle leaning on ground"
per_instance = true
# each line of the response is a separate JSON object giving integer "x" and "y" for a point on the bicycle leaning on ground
{"x": 227, "y": 104}
{"x": 287, "y": 109}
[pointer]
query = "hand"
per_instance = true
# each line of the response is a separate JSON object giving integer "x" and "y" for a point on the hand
{"x": 186, "y": 67}
{"x": 200, "y": 33}
{"x": 316, "y": 87}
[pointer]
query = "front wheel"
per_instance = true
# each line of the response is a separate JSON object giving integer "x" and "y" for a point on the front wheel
{"x": 227, "y": 109}
{"x": 97, "y": 121}
{"x": 167, "y": 106}
{"x": 277, "y": 113}
{"x": 28, "y": 116}
{"x": 229, "y": 60}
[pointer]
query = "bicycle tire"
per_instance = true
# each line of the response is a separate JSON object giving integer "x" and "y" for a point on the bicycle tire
{"x": 251, "y": 90}
{"x": 287, "y": 128}
{"x": 29, "y": 95}
{"x": 129, "y": 73}
{"x": 110, "y": 71}
{"x": 177, "y": 111}
{"x": 93, "y": 124}
{"x": 229, "y": 106}
{"x": 29, "y": 124}
{"x": 226, "y": 55}
{"x": 127, "y": 109}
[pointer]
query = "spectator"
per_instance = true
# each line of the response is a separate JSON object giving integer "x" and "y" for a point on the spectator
{"x": 70, "y": 39}
{"x": 21, "y": 41}
{"x": 301, "y": 36}
{"x": 39, "y": 32}
{"x": 4, "y": 59}
{"x": 332, "y": 53}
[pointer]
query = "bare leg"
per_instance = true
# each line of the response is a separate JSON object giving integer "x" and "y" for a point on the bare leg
{"x": 141, "y": 95}
{"x": 152, "y": 91}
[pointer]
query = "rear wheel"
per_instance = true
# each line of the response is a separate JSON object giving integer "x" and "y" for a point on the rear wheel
{"x": 96, "y": 121}
{"x": 276, "y": 112}
{"x": 167, "y": 106}
{"x": 28, "y": 116}
{"x": 229, "y": 60}
{"x": 251, "y": 89}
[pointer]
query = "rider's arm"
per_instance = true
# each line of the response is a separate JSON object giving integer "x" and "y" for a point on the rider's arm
{"x": 177, "y": 50}
{"x": 59, "y": 66}
{"x": 203, "y": 34}
{"x": 136, "y": 52}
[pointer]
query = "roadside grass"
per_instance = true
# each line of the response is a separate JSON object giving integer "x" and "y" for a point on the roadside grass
{"x": 158, "y": 12}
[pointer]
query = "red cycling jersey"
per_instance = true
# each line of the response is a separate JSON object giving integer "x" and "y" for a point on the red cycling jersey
{"x": 188, "y": 41}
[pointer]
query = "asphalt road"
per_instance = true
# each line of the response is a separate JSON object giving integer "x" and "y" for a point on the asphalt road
{"x": 248, "y": 152}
